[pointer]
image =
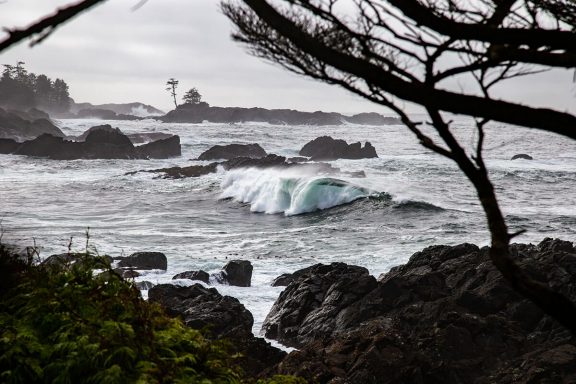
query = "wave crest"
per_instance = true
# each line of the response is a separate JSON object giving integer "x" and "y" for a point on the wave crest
{"x": 280, "y": 191}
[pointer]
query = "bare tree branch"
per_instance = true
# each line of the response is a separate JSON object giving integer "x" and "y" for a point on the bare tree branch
{"x": 47, "y": 25}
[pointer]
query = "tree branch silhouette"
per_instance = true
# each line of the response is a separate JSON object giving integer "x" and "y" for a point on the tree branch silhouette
{"x": 45, "y": 26}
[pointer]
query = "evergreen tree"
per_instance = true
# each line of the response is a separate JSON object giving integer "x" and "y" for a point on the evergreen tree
{"x": 192, "y": 97}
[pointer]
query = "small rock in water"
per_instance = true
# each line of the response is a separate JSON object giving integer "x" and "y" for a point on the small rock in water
{"x": 145, "y": 260}
{"x": 193, "y": 275}
{"x": 236, "y": 272}
{"x": 522, "y": 156}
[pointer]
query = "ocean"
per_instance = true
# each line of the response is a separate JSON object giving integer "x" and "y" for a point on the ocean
{"x": 284, "y": 220}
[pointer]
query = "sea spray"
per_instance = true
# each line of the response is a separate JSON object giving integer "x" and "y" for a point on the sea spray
{"x": 284, "y": 191}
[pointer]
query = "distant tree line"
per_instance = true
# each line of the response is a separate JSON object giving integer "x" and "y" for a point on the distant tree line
{"x": 23, "y": 90}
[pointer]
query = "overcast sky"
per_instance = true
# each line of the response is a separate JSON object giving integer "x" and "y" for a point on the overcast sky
{"x": 114, "y": 54}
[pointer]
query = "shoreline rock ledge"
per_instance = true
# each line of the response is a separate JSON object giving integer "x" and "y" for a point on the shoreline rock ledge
{"x": 446, "y": 316}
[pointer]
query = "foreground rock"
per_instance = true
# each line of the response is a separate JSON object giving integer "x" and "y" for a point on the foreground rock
{"x": 236, "y": 272}
{"x": 224, "y": 317}
{"x": 144, "y": 261}
{"x": 231, "y": 151}
{"x": 447, "y": 316}
{"x": 197, "y": 113}
{"x": 327, "y": 148}
{"x": 19, "y": 126}
{"x": 102, "y": 142}
{"x": 309, "y": 307}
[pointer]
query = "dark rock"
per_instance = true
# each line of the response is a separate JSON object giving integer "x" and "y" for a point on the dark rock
{"x": 181, "y": 172}
{"x": 144, "y": 261}
{"x": 202, "y": 307}
{"x": 248, "y": 162}
{"x": 225, "y": 317}
{"x": 161, "y": 149}
{"x": 283, "y": 280}
{"x": 297, "y": 159}
{"x": 73, "y": 258}
{"x": 372, "y": 119}
{"x": 197, "y": 113}
{"x": 310, "y": 306}
{"x": 104, "y": 114}
{"x": 127, "y": 273}
{"x": 8, "y": 146}
{"x": 100, "y": 142}
{"x": 146, "y": 137}
{"x": 236, "y": 272}
{"x": 144, "y": 285}
{"x": 193, "y": 275}
{"x": 137, "y": 109}
{"x": 446, "y": 316}
{"x": 21, "y": 126}
{"x": 327, "y": 148}
{"x": 232, "y": 151}
{"x": 522, "y": 156}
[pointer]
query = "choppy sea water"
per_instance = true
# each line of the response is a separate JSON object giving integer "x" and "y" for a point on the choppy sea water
{"x": 410, "y": 199}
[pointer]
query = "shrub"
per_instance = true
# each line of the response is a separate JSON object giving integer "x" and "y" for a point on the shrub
{"x": 66, "y": 324}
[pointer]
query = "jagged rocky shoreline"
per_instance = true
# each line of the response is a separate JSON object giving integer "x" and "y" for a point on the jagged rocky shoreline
{"x": 198, "y": 113}
{"x": 446, "y": 316}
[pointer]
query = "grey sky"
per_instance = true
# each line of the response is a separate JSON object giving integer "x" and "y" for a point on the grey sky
{"x": 112, "y": 54}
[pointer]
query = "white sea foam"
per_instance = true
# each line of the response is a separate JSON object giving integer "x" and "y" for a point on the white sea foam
{"x": 283, "y": 191}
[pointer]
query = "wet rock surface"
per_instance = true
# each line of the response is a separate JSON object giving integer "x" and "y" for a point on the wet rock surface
{"x": 101, "y": 142}
{"x": 144, "y": 261}
{"x": 197, "y": 113}
{"x": 20, "y": 126}
{"x": 231, "y": 151}
{"x": 522, "y": 156}
{"x": 327, "y": 148}
{"x": 446, "y": 316}
{"x": 193, "y": 275}
{"x": 236, "y": 272}
{"x": 223, "y": 317}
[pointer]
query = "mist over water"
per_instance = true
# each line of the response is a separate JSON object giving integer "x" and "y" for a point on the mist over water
{"x": 283, "y": 220}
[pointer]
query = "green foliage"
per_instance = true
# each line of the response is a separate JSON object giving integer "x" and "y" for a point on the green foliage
{"x": 21, "y": 89}
{"x": 65, "y": 324}
{"x": 192, "y": 97}
{"x": 282, "y": 379}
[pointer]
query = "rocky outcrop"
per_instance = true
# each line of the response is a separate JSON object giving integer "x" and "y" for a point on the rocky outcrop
{"x": 134, "y": 109}
{"x": 193, "y": 275}
{"x": 236, "y": 272}
{"x": 224, "y": 317}
{"x": 327, "y": 148}
{"x": 270, "y": 161}
{"x": 8, "y": 146}
{"x": 147, "y": 137}
{"x": 202, "y": 307}
{"x": 447, "y": 316}
{"x": 20, "y": 126}
{"x": 160, "y": 149}
{"x": 372, "y": 119}
{"x": 309, "y": 307}
{"x": 522, "y": 156}
{"x": 101, "y": 142}
{"x": 232, "y": 151}
{"x": 197, "y": 113}
{"x": 144, "y": 261}
{"x": 103, "y": 114}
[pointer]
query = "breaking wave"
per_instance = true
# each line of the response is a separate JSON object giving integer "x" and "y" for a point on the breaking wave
{"x": 282, "y": 191}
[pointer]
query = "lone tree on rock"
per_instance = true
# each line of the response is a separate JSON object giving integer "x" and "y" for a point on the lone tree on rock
{"x": 412, "y": 50}
{"x": 171, "y": 86}
{"x": 192, "y": 97}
